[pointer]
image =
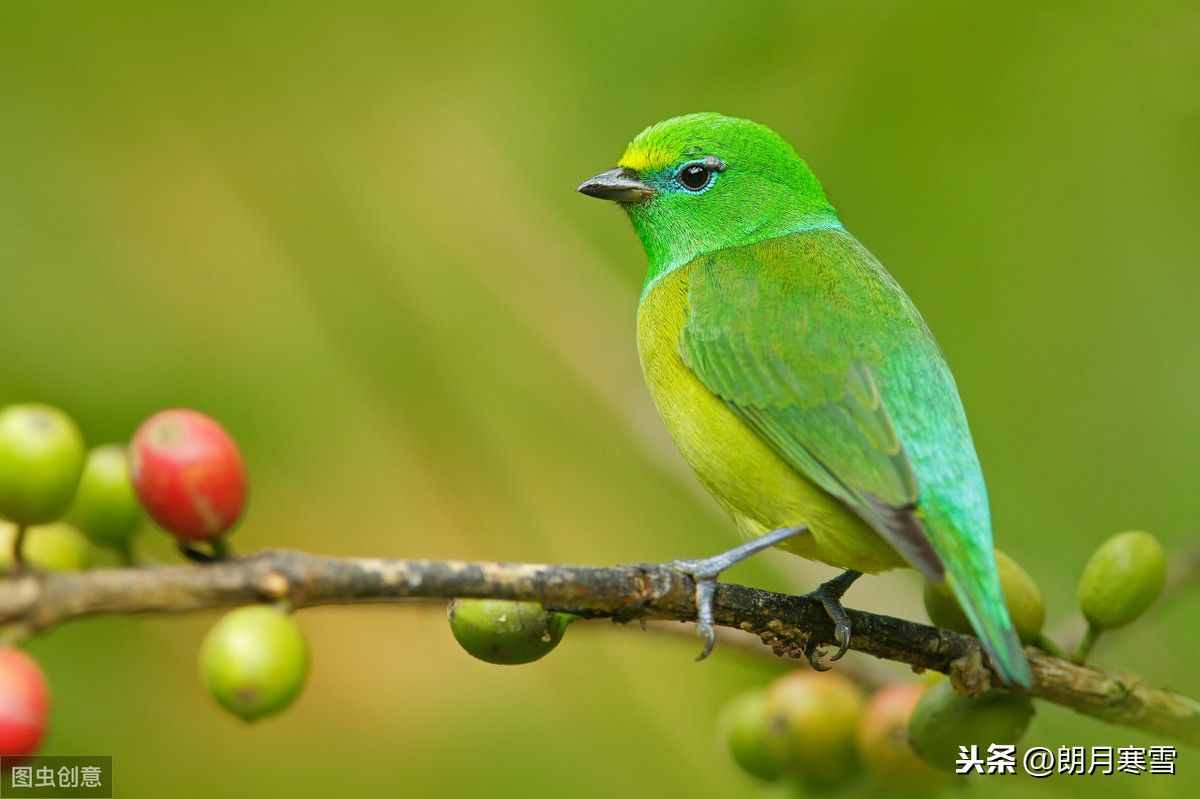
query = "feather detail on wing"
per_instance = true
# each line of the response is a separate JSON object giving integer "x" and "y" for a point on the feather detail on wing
{"x": 799, "y": 370}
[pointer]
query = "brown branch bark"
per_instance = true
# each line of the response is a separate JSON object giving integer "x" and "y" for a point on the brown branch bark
{"x": 788, "y": 624}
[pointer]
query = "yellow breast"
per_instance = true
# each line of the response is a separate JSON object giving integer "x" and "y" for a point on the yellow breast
{"x": 760, "y": 490}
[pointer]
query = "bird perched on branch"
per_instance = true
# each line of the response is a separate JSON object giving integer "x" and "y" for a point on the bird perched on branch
{"x": 797, "y": 378}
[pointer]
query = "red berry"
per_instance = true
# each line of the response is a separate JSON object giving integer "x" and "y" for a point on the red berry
{"x": 24, "y": 703}
{"x": 188, "y": 474}
{"x": 883, "y": 740}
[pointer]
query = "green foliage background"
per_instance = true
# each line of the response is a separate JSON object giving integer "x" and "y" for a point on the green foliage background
{"x": 351, "y": 235}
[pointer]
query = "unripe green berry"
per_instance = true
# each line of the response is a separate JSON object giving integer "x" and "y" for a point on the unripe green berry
{"x": 106, "y": 508}
{"x": 813, "y": 720}
{"x": 745, "y": 728}
{"x": 57, "y": 547}
{"x": 254, "y": 661}
{"x": 504, "y": 632}
{"x": 1121, "y": 579}
{"x": 944, "y": 720}
{"x": 1021, "y": 595}
{"x": 943, "y": 609}
{"x": 41, "y": 457}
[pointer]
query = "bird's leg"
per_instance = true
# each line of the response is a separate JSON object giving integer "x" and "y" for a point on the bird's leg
{"x": 829, "y": 594}
{"x": 704, "y": 573}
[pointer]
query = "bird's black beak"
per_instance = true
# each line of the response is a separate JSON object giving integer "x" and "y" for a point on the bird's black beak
{"x": 619, "y": 185}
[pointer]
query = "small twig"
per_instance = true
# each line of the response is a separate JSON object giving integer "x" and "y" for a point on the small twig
{"x": 788, "y": 624}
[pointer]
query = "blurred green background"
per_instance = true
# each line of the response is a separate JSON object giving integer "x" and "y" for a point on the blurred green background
{"x": 353, "y": 237}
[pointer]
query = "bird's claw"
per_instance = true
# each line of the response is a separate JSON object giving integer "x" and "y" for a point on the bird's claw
{"x": 709, "y": 635}
{"x": 706, "y": 589}
{"x": 812, "y": 651}
{"x": 841, "y": 632}
{"x": 829, "y": 594}
{"x": 704, "y": 573}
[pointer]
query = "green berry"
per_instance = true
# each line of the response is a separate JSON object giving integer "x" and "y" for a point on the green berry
{"x": 106, "y": 508}
{"x": 944, "y": 720}
{"x": 254, "y": 661}
{"x": 745, "y": 727}
{"x": 41, "y": 457}
{"x": 57, "y": 547}
{"x": 1021, "y": 595}
{"x": 813, "y": 718}
{"x": 943, "y": 608}
{"x": 505, "y": 632}
{"x": 1024, "y": 598}
{"x": 1121, "y": 579}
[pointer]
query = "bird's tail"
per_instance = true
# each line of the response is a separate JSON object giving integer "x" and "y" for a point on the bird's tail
{"x": 978, "y": 593}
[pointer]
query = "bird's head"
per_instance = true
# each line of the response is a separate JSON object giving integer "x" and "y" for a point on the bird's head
{"x": 702, "y": 182}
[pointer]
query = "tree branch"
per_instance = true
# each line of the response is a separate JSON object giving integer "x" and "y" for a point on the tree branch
{"x": 790, "y": 625}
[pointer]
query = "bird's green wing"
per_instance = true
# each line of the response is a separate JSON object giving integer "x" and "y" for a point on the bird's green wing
{"x": 817, "y": 349}
{"x": 792, "y": 334}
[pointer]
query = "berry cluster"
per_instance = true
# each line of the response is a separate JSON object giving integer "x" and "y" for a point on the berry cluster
{"x": 61, "y": 505}
{"x": 820, "y": 730}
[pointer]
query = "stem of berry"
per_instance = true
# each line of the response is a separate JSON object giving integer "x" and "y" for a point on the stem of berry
{"x": 1085, "y": 645}
{"x": 18, "y": 553}
{"x": 1045, "y": 644}
{"x": 127, "y": 555}
{"x": 219, "y": 550}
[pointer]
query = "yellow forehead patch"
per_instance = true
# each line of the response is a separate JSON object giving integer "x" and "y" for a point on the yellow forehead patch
{"x": 645, "y": 159}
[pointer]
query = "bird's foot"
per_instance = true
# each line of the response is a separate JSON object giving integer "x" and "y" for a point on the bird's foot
{"x": 704, "y": 573}
{"x": 829, "y": 594}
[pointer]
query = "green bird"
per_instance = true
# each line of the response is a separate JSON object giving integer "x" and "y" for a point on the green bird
{"x": 797, "y": 378}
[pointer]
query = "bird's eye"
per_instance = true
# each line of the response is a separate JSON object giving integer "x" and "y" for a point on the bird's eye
{"x": 695, "y": 177}
{"x": 698, "y": 175}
